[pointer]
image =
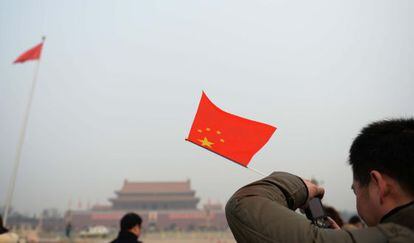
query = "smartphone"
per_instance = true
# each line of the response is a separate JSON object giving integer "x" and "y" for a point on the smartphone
{"x": 316, "y": 213}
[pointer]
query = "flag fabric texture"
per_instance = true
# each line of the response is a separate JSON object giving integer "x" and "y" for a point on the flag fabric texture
{"x": 233, "y": 137}
{"x": 32, "y": 54}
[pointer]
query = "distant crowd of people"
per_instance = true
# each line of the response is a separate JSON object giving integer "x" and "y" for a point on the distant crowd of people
{"x": 353, "y": 223}
{"x": 130, "y": 230}
{"x": 131, "y": 227}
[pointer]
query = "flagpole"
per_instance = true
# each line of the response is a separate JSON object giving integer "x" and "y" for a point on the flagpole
{"x": 252, "y": 169}
{"x": 20, "y": 143}
{"x": 256, "y": 171}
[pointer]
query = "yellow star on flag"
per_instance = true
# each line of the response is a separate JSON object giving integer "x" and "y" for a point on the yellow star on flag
{"x": 205, "y": 142}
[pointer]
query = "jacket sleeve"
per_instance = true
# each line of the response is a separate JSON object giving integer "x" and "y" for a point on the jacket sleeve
{"x": 263, "y": 211}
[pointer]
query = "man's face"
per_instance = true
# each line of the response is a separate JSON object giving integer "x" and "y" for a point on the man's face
{"x": 366, "y": 203}
{"x": 136, "y": 230}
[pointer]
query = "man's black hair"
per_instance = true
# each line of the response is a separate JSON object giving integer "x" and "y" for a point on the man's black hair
{"x": 354, "y": 220}
{"x": 130, "y": 220}
{"x": 388, "y": 147}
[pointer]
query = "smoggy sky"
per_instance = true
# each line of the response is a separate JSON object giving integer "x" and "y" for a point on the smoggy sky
{"x": 120, "y": 81}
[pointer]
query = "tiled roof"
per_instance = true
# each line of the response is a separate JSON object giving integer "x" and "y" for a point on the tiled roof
{"x": 107, "y": 216}
{"x": 155, "y": 199}
{"x": 156, "y": 187}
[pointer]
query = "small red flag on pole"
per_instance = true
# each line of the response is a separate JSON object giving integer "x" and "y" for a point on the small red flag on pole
{"x": 235, "y": 138}
{"x": 32, "y": 54}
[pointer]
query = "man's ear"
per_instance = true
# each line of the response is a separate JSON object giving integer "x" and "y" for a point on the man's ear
{"x": 380, "y": 182}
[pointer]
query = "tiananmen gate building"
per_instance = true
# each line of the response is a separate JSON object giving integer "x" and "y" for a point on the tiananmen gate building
{"x": 162, "y": 206}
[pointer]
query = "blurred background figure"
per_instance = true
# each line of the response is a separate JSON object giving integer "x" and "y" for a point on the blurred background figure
{"x": 354, "y": 223}
{"x": 5, "y": 235}
{"x": 68, "y": 229}
{"x": 333, "y": 214}
{"x": 130, "y": 229}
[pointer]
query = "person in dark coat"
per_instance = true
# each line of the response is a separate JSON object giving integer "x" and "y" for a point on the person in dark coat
{"x": 130, "y": 229}
{"x": 2, "y": 228}
{"x": 68, "y": 229}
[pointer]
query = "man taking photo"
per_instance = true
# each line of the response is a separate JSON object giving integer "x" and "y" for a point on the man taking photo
{"x": 382, "y": 160}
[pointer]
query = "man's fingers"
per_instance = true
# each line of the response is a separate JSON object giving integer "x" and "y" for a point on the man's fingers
{"x": 314, "y": 190}
{"x": 320, "y": 191}
{"x": 333, "y": 224}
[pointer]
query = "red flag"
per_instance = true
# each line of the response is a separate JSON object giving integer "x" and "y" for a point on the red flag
{"x": 32, "y": 54}
{"x": 233, "y": 137}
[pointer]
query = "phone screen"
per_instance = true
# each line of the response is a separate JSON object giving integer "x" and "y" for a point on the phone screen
{"x": 316, "y": 208}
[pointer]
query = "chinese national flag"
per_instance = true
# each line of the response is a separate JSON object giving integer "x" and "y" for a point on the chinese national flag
{"x": 32, "y": 54}
{"x": 233, "y": 137}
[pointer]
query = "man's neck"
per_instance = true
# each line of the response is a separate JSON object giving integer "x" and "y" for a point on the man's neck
{"x": 396, "y": 199}
{"x": 126, "y": 234}
{"x": 133, "y": 232}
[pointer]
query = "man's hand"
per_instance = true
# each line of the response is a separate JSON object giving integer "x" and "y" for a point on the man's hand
{"x": 313, "y": 191}
{"x": 333, "y": 224}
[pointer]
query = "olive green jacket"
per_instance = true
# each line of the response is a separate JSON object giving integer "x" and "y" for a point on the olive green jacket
{"x": 263, "y": 211}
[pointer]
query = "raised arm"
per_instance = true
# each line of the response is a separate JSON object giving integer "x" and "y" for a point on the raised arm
{"x": 263, "y": 211}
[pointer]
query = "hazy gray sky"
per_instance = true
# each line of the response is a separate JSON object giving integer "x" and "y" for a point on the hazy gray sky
{"x": 120, "y": 82}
